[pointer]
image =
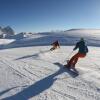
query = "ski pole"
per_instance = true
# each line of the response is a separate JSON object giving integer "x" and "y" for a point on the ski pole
{"x": 68, "y": 56}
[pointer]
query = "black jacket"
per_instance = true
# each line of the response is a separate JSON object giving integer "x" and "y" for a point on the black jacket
{"x": 82, "y": 47}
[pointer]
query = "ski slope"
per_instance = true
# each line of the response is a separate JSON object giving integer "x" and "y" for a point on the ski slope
{"x": 34, "y": 73}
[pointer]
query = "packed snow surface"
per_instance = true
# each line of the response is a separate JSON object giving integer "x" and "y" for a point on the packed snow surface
{"x": 30, "y": 71}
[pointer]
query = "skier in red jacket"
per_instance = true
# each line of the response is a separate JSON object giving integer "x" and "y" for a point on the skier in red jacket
{"x": 55, "y": 45}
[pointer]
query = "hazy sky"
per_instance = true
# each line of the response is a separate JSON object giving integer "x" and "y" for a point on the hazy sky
{"x": 46, "y": 15}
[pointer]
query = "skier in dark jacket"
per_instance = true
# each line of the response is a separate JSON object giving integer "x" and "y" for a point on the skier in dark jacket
{"x": 55, "y": 45}
{"x": 83, "y": 50}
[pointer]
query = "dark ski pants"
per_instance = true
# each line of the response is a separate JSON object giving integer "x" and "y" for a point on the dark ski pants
{"x": 53, "y": 48}
{"x": 75, "y": 58}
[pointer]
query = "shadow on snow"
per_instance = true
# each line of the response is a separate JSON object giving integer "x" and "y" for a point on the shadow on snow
{"x": 34, "y": 55}
{"x": 40, "y": 86}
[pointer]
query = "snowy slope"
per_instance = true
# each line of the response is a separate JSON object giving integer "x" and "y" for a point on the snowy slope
{"x": 69, "y": 37}
{"x": 35, "y": 73}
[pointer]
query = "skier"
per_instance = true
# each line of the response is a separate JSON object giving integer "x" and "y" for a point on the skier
{"x": 55, "y": 45}
{"x": 83, "y": 50}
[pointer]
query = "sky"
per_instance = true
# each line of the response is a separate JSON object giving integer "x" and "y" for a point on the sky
{"x": 49, "y": 15}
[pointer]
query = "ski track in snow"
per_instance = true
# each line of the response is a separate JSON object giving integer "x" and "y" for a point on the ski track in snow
{"x": 36, "y": 73}
{"x": 65, "y": 87}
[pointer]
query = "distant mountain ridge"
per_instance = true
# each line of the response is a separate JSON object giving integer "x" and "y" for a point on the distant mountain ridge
{"x": 74, "y": 29}
{"x": 6, "y": 32}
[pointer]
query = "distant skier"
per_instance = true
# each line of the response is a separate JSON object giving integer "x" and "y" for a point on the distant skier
{"x": 83, "y": 50}
{"x": 55, "y": 45}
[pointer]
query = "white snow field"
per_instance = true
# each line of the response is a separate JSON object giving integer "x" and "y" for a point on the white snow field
{"x": 30, "y": 71}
